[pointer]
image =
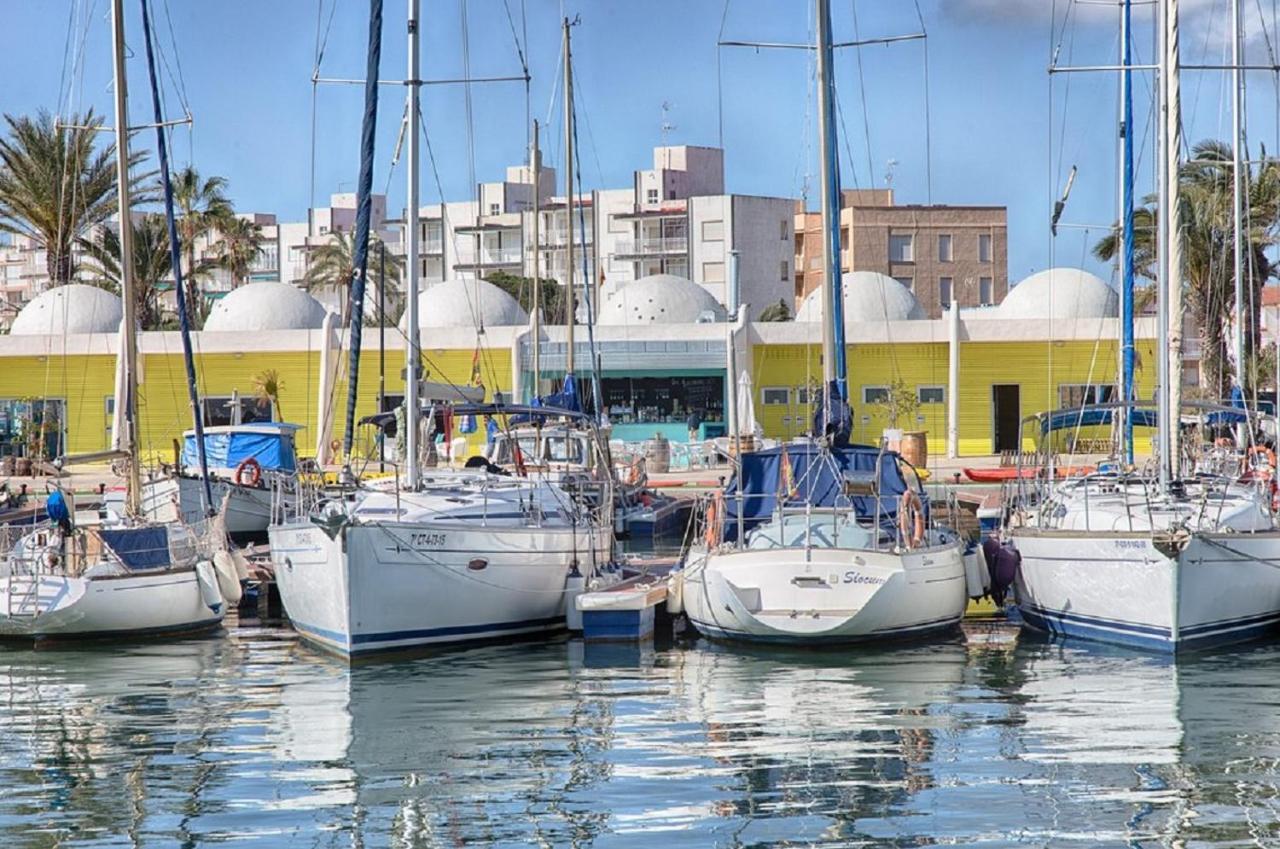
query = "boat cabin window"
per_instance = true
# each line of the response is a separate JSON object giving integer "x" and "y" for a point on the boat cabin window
{"x": 571, "y": 449}
{"x": 220, "y": 410}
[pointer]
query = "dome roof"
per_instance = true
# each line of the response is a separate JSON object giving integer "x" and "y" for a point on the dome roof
{"x": 466, "y": 303}
{"x": 266, "y": 305}
{"x": 868, "y": 296}
{"x": 660, "y": 299}
{"x": 73, "y": 308}
{"x": 1061, "y": 293}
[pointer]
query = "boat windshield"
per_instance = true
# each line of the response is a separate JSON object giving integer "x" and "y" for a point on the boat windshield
{"x": 823, "y": 530}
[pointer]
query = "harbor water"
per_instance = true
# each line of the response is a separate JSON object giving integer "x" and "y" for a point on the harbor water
{"x": 253, "y": 739}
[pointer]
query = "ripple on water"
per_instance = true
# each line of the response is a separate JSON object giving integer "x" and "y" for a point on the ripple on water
{"x": 253, "y": 739}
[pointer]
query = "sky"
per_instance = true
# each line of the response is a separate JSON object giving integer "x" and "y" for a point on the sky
{"x": 992, "y": 126}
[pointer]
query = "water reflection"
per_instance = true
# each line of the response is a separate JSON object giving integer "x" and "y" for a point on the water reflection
{"x": 254, "y": 740}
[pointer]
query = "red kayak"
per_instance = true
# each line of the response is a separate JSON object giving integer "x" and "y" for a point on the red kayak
{"x": 1008, "y": 473}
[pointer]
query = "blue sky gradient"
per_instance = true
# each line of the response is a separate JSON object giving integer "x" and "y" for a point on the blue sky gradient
{"x": 1001, "y": 131}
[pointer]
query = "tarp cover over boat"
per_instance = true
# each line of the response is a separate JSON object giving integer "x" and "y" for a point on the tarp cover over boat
{"x": 273, "y": 451}
{"x": 816, "y": 477}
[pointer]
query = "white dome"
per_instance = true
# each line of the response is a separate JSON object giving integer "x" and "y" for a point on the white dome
{"x": 660, "y": 299}
{"x": 266, "y": 305}
{"x": 1060, "y": 293}
{"x": 868, "y": 296}
{"x": 466, "y": 303}
{"x": 73, "y": 308}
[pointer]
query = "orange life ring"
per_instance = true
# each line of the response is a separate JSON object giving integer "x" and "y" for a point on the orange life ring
{"x": 632, "y": 475}
{"x": 911, "y": 518}
{"x": 711, "y": 536}
{"x": 254, "y": 470}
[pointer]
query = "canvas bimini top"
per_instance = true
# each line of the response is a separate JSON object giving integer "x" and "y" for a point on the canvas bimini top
{"x": 226, "y": 447}
{"x": 802, "y": 474}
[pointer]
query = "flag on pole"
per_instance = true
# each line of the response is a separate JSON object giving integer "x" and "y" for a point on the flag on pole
{"x": 786, "y": 476}
{"x": 475, "y": 366}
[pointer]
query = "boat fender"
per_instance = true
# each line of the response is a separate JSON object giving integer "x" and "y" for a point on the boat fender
{"x": 574, "y": 585}
{"x": 1002, "y": 565}
{"x": 248, "y": 473}
{"x": 976, "y": 578}
{"x": 207, "y": 579}
{"x": 224, "y": 565}
{"x": 675, "y": 592}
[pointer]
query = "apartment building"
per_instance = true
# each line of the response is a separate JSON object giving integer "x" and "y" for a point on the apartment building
{"x": 941, "y": 253}
{"x": 675, "y": 218}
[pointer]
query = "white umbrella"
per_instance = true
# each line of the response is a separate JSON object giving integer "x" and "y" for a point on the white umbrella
{"x": 746, "y": 406}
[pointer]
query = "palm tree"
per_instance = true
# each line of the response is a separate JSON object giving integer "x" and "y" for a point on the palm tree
{"x": 239, "y": 243}
{"x": 56, "y": 183}
{"x": 1207, "y": 223}
{"x": 201, "y": 205}
{"x": 151, "y": 264}
{"x": 267, "y": 385}
{"x": 332, "y": 268}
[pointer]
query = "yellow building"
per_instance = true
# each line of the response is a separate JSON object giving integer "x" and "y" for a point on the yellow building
{"x": 1051, "y": 344}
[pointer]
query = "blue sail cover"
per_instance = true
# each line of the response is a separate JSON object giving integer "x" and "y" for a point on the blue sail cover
{"x": 1223, "y": 417}
{"x": 816, "y": 478}
{"x": 1092, "y": 417}
{"x": 139, "y": 548}
{"x": 273, "y": 451}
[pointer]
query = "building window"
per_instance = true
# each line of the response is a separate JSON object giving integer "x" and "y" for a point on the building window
{"x": 985, "y": 291}
{"x": 775, "y": 396}
{"x": 931, "y": 394}
{"x": 802, "y": 396}
{"x": 875, "y": 395}
{"x": 786, "y": 230}
{"x": 944, "y": 291}
{"x": 984, "y": 247}
{"x": 713, "y": 231}
{"x": 901, "y": 249}
{"x": 908, "y": 283}
{"x": 944, "y": 248}
{"x": 495, "y": 208}
{"x": 713, "y": 272}
{"x": 651, "y": 196}
{"x": 1083, "y": 394}
{"x": 785, "y": 269}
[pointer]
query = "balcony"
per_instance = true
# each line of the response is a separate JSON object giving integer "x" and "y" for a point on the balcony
{"x": 559, "y": 238}
{"x": 652, "y": 247}
{"x": 493, "y": 258}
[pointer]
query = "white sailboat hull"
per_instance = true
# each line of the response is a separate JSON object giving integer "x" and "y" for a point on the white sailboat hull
{"x": 134, "y": 605}
{"x": 824, "y": 596}
{"x": 171, "y": 499}
{"x": 1120, "y": 588}
{"x": 383, "y": 586}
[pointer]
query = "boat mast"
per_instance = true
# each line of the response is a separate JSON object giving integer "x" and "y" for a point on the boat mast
{"x": 1173, "y": 156}
{"x": 833, "y": 352}
{"x": 1237, "y": 193}
{"x": 412, "y": 349}
{"x": 535, "y": 164}
{"x": 569, "y": 299}
{"x": 1126, "y": 211}
{"x": 125, "y": 203}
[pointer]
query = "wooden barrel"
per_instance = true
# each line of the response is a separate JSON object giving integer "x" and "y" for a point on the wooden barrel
{"x": 22, "y": 467}
{"x": 657, "y": 454}
{"x": 744, "y": 444}
{"x": 915, "y": 448}
{"x": 6, "y": 465}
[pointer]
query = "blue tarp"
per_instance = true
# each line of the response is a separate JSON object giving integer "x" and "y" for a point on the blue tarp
{"x": 273, "y": 451}
{"x": 817, "y": 478}
{"x": 1223, "y": 417}
{"x": 139, "y": 548}
{"x": 1093, "y": 416}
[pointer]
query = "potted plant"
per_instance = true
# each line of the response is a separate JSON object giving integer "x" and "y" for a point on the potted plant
{"x": 900, "y": 406}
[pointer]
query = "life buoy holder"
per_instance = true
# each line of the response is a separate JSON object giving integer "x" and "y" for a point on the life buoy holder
{"x": 249, "y": 472}
{"x": 911, "y": 518}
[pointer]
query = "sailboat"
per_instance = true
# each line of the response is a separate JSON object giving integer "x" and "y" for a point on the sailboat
{"x": 823, "y": 543}
{"x": 444, "y": 558}
{"x": 1182, "y": 559}
{"x": 91, "y": 574}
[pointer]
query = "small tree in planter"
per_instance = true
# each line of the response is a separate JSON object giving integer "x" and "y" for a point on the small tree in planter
{"x": 900, "y": 406}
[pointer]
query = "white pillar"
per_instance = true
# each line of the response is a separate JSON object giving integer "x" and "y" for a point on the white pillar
{"x": 953, "y": 379}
